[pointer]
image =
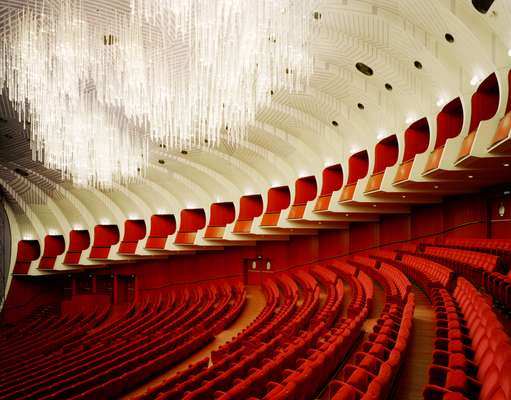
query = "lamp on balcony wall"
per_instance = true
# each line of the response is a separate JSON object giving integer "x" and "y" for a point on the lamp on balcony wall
{"x": 502, "y": 209}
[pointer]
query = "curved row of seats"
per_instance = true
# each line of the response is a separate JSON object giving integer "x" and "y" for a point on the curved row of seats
{"x": 452, "y": 354}
{"x": 248, "y": 348}
{"x": 469, "y": 264}
{"x": 472, "y": 355}
{"x": 310, "y": 373}
{"x": 453, "y": 373}
{"x": 153, "y": 334}
{"x": 484, "y": 262}
{"x": 272, "y": 352}
{"x": 375, "y": 364}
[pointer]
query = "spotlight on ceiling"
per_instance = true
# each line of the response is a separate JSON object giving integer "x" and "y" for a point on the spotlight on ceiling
{"x": 475, "y": 80}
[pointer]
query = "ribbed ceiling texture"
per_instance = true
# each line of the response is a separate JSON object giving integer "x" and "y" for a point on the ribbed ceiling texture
{"x": 421, "y": 55}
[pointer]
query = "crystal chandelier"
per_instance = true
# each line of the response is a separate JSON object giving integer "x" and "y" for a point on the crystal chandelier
{"x": 179, "y": 72}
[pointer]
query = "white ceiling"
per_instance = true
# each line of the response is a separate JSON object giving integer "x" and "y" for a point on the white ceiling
{"x": 294, "y": 136}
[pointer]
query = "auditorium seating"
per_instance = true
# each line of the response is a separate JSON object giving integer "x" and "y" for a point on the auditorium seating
{"x": 377, "y": 361}
{"x": 491, "y": 351}
{"x": 303, "y": 342}
{"x": 102, "y": 362}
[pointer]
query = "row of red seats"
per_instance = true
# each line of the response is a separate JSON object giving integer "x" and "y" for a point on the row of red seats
{"x": 400, "y": 280}
{"x": 307, "y": 376}
{"x": 335, "y": 292}
{"x": 426, "y": 273}
{"x": 100, "y": 350}
{"x": 71, "y": 328}
{"x": 247, "y": 349}
{"x": 491, "y": 348}
{"x": 201, "y": 327}
{"x": 453, "y": 354}
{"x": 453, "y": 373}
{"x": 113, "y": 358}
{"x": 368, "y": 265}
{"x": 377, "y": 363}
{"x": 470, "y": 264}
{"x": 48, "y": 364}
{"x": 499, "y": 286}
{"x": 292, "y": 345}
{"x": 358, "y": 292}
{"x": 181, "y": 376}
{"x": 500, "y": 247}
{"x": 271, "y": 293}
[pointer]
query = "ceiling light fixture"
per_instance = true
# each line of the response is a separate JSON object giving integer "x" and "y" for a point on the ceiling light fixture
{"x": 440, "y": 102}
{"x": 475, "y": 80}
{"x": 67, "y": 77}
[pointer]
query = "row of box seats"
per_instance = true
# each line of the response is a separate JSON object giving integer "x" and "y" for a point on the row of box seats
{"x": 153, "y": 334}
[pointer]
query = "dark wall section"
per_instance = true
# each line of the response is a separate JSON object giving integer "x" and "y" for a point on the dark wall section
{"x": 5, "y": 250}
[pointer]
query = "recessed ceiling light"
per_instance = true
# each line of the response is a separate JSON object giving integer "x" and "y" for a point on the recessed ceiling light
{"x": 417, "y": 64}
{"x": 374, "y": 205}
{"x": 347, "y": 215}
{"x": 335, "y": 123}
{"x": 404, "y": 196}
{"x": 388, "y": 86}
{"x": 506, "y": 164}
{"x": 365, "y": 69}
{"x": 436, "y": 186}
{"x": 507, "y": 192}
{"x": 470, "y": 176}
{"x": 360, "y": 106}
{"x": 449, "y": 38}
{"x": 474, "y": 81}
